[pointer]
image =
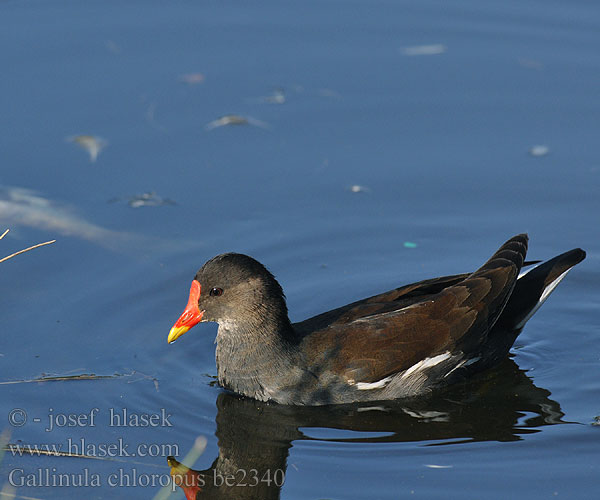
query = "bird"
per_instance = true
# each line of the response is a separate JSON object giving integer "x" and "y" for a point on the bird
{"x": 403, "y": 343}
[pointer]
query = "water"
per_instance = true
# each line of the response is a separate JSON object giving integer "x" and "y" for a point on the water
{"x": 440, "y": 145}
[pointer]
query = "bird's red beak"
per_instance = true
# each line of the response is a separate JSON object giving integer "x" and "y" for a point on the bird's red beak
{"x": 191, "y": 315}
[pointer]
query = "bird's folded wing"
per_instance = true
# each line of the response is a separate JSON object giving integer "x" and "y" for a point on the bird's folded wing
{"x": 458, "y": 318}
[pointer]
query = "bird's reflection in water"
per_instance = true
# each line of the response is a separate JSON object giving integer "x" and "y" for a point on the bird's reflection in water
{"x": 254, "y": 437}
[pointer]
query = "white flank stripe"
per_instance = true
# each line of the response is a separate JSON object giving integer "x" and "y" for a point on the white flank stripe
{"x": 426, "y": 363}
{"x": 366, "y": 386}
{"x": 464, "y": 362}
{"x": 459, "y": 365}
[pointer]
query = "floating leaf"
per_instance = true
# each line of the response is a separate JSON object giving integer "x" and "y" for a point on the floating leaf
{"x": 235, "y": 120}
{"x": 92, "y": 144}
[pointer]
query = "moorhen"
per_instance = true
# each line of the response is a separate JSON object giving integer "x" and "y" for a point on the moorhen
{"x": 400, "y": 343}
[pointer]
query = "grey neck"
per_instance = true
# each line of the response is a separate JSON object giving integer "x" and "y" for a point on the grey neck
{"x": 254, "y": 363}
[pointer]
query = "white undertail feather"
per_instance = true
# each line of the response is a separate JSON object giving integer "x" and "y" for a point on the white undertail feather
{"x": 545, "y": 294}
{"x": 413, "y": 371}
{"x": 524, "y": 272}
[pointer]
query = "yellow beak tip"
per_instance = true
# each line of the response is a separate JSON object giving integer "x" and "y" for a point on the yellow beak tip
{"x": 175, "y": 333}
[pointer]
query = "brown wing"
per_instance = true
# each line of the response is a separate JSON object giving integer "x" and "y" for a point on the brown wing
{"x": 392, "y": 300}
{"x": 369, "y": 347}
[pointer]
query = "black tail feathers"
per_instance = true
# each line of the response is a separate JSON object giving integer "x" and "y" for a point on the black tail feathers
{"x": 534, "y": 287}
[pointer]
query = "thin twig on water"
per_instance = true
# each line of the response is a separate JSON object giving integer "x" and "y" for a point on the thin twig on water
{"x": 25, "y": 249}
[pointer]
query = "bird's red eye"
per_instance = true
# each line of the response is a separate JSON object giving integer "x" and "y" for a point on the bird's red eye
{"x": 216, "y": 292}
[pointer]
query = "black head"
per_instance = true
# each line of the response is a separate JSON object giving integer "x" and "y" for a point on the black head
{"x": 237, "y": 292}
{"x": 236, "y": 287}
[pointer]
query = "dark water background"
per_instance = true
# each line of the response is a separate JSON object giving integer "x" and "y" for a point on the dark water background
{"x": 438, "y": 148}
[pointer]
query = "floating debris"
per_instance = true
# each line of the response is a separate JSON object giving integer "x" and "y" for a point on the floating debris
{"x": 539, "y": 150}
{"x": 192, "y": 78}
{"x": 150, "y": 199}
{"x": 356, "y": 188}
{"x": 235, "y": 120}
{"x": 409, "y": 244}
{"x": 424, "y": 50}
{"x": 92, "y": 144}
{"x": 277, "y": 97}
{"x": 434, "y": 466}
{"x": 63, "y": 378}
{"x": 596, "y": 421}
